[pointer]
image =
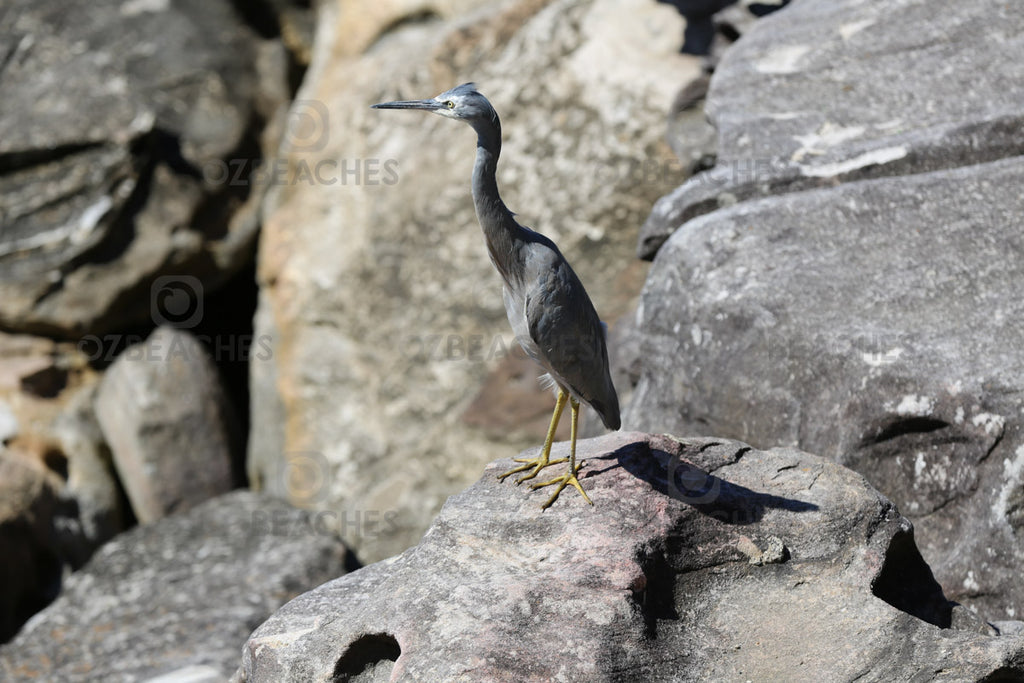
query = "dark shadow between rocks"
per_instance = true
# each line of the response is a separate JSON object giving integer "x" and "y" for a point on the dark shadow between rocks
{"x": 1004, "y": 674}
{"x": 906, "y": 582}
{"x": 657, "y": 600}
{"x": 370, "y": 657}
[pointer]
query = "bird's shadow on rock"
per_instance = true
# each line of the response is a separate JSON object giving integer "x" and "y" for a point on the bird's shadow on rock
{"x": 679, "y": 479}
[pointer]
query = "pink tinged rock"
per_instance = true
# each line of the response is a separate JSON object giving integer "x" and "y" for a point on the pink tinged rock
{"x": 654, "y": 582}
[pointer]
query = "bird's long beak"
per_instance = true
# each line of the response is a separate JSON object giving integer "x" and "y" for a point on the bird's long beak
{"x": 426, "y": 105}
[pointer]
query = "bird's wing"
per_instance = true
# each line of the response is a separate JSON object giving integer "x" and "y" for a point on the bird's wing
{"x": 570, "y": 339}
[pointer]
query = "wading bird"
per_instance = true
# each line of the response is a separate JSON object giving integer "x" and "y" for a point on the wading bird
{"x": 547, "y": 306}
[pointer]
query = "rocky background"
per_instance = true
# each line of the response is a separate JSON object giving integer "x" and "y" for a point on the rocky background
{"x": 250, "y": 339}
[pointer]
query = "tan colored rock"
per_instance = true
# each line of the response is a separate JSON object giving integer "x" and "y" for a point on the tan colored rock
{"x": 375, "y": 284}
{"x": 58, "y": 497}
{"x": 45, "y": 415}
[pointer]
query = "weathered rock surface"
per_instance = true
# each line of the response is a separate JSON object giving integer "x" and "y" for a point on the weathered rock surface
{"x": 825, "y": 92}
{"x": 169, "y": 424}
{"x": 701, "y": 560}
{"x": 119, "y": 125}
{"x": 183, "y": 592}
{"x": 385, "y": 313}
{"x": 877, "y": 323}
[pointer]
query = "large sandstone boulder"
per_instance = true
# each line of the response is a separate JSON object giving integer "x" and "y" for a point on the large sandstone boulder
{"x": 385, "y": 314}
{"x": 701, "y": 560}
{"x": 874, "y": 321}
{"x": 177, "y": 597}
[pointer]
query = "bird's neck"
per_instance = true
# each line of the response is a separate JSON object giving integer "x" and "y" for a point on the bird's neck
{"x": 485, "y": 186}
{"x": 501, "y": 232}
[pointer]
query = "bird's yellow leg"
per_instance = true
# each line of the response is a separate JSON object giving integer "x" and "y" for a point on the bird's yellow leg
{"x": 570, "y": 476}
{"x": 543, "y": 460}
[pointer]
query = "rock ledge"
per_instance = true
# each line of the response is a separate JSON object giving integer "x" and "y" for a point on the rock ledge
{"x": 653, "y": 583}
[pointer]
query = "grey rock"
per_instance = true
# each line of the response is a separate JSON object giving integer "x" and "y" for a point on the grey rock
{"x": 649, "y": 584}
{"x": 169, "y": 424}
{"x": 384, "y": 313}
{"x": 117, "y": 121}
{"x": 826, "y": 92}
{"x": 1009, "y": 628}
{"x": 183, "y": 592}
{"x": 964, "y": 619}
{"x": 877, "y": 323}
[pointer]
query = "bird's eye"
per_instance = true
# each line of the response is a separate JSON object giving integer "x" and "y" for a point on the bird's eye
{"x": 450, "y": 104}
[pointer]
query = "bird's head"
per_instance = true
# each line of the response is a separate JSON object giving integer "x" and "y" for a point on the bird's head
{"x": 462, "y": 102}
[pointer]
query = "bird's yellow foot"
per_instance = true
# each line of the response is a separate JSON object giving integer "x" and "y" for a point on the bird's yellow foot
{"x": 542, "y": 460}
{"x": 561, "y": 482}
{"x": 537, "y": 464}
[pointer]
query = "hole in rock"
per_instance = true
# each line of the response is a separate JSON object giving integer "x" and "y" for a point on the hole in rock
{"x": 56, "y": 461}
{"x": 369, "y": 658}
{"x": 913, "y": 425}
